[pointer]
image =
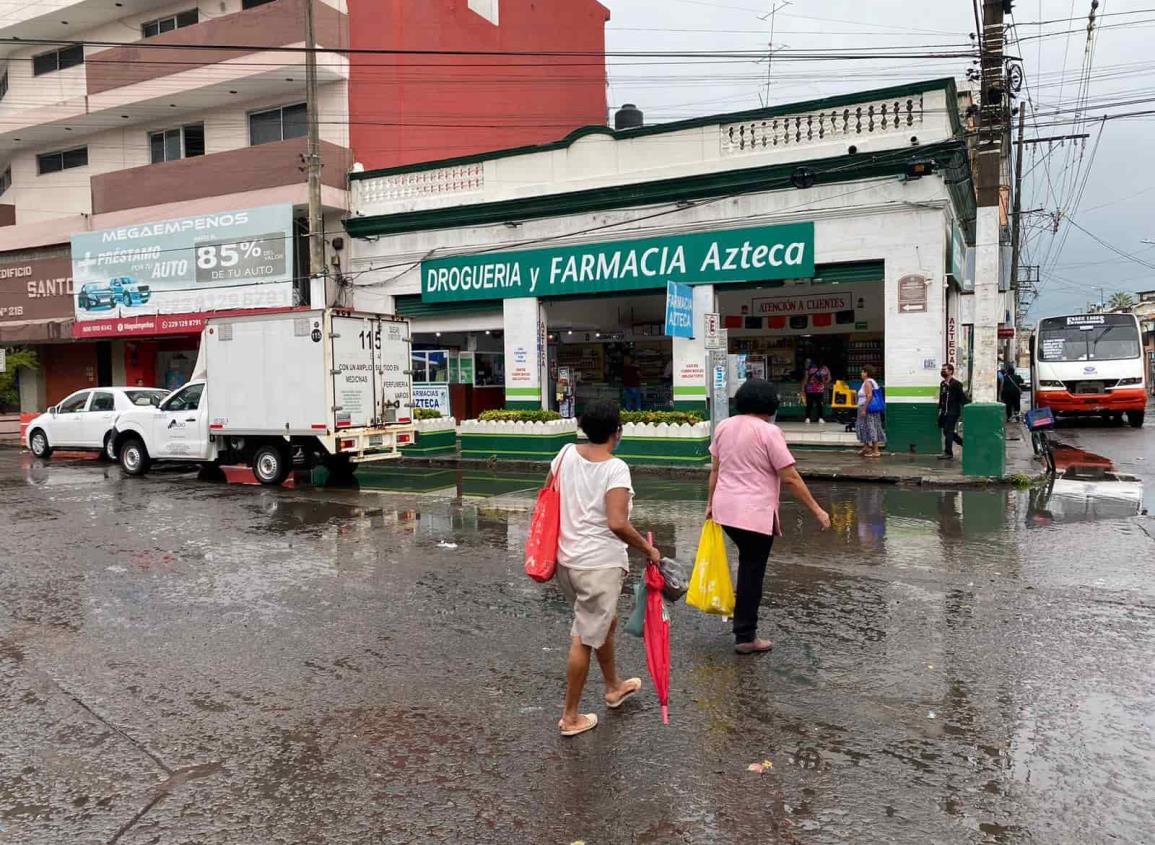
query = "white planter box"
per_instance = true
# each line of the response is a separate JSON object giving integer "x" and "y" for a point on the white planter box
{"x": 430, "y": 426}
{"x": 552, "y": 428}
{"x": 676, "y": 431}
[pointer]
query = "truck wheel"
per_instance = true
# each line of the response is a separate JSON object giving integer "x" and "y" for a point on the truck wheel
{"x": 1135, "y": 418}
{"x": 134, "y": 458}
{"x": 271, "y": 464}
{"x": 109, "y": 451}
{"x": 39, "y": 444}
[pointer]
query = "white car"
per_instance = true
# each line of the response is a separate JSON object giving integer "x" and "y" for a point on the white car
{"x": 83, "y": 421}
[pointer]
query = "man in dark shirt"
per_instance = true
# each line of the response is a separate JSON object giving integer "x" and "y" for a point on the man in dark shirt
{"x": 631, "y": 384}
{"x": 951, "y": 399}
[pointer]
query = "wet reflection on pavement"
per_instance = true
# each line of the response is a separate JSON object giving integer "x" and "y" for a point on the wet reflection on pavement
{"x": 187, "y": 662}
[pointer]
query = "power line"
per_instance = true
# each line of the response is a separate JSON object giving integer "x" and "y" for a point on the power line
{"x": 849, "y": 53}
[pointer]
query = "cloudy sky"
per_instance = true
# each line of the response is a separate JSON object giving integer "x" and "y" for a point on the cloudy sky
{"x": 1101, "y": 191}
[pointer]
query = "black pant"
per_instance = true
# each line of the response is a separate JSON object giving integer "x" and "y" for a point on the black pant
{"x": 1014, "y": 403}
{"x": 753, "y": 552}
{"x": 814, "y": 406}
{"x": 949, "y": 438}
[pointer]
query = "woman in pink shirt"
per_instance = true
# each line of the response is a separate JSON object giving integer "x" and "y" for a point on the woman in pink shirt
{"x": 750, "y": 463}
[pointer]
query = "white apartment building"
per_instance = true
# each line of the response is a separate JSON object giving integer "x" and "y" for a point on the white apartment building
{"x": 156, "y": 111}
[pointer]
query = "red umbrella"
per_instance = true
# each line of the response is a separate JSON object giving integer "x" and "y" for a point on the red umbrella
{"x": 657, "y": 638}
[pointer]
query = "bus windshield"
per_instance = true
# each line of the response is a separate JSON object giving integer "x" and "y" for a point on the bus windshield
{"x": 1062, "y": 341}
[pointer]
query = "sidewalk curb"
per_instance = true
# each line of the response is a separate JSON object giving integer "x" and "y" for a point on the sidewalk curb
{"x": 702, "y": 473}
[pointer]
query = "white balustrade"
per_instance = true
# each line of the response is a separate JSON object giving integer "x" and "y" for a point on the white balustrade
{"x": 791, "y": 130}
{"x": 460, "y": 179}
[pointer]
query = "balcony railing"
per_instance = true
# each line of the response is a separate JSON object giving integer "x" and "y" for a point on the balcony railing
{"x": 232, "y": 172}
{"x": 443, "y": 181}
{"x": 275, "y": 24}
{"x": 862, "y": 120}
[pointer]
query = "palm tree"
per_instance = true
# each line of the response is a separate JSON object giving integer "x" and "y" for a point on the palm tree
{"x": 1121, "y": 301}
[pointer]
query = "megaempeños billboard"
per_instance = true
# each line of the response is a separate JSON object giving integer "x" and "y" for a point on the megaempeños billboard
{"x": 222, "y": 261}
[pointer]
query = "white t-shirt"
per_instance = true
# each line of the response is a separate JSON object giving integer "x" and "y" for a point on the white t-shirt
{"x": 585, "y": 540}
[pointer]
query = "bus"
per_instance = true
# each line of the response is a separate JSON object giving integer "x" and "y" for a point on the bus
{"x": 1090, "y": 364}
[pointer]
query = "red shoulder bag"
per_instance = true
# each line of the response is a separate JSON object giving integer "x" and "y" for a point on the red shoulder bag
{"x": 544, "y": 527}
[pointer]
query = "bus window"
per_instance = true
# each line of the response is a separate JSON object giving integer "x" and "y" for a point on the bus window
{"x": 1109, "y": 342}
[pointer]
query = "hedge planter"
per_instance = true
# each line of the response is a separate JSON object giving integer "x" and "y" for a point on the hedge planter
{"x": 515, "y": 441}
{"x": 433, "y": 439}
{"x": 669, "y": 445}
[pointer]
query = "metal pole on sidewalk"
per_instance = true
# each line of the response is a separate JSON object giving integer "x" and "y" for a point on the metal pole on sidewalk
{"x": 313, "y": 156}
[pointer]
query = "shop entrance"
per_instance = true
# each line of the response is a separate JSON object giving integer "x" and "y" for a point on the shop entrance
{"x": 609, "y": 347}
{"x": 459, "y": 374}
{"x": 776, "y": 329}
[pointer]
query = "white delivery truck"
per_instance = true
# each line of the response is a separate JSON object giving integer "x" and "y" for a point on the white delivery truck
{"x": 324, "y": 386}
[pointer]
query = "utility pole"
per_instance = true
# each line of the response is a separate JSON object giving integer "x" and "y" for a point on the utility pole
{"x": 1016, "y": 223}
{"x": 992, "y": 128}
{"x": 313, "y": 167}
{"x": 985, "y": 419}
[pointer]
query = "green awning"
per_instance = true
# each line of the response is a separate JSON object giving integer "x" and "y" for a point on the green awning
{"x": 411, "y": 306}
{"x": 850, "y": 271}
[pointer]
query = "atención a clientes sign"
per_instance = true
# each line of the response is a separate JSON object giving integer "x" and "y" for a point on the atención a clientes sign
{"x": 734, "y": 255}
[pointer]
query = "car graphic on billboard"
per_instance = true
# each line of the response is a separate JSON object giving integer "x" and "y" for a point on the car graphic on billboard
{"x": 123, "y": 290}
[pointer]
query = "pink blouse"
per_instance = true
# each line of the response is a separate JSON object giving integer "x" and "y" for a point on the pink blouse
{"x": 750, "y": 455}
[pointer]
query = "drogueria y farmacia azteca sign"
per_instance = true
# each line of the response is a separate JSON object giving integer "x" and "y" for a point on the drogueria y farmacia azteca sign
{"x": 733, "y": 255}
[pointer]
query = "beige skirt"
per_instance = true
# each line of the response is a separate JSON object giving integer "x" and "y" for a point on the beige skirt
{"x": 594, "y": 595}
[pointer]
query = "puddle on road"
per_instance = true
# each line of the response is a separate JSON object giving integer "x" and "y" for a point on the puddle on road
{"x": 472, "y": 483}
{"x": 1086, "y": 487}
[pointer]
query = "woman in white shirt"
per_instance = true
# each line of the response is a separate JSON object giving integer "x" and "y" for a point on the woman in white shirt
{"x": 596, "y": 494}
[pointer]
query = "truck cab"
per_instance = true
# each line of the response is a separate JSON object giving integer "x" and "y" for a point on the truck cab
{"x": 175, "y": 430}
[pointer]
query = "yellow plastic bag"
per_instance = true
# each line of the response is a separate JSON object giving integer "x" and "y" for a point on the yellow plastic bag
{"x": 711, "y": 589}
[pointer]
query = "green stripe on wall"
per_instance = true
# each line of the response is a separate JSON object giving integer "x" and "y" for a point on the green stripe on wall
{"x": 523, "y": 391}
{"x": 911, "y": 392}
{"x": 690, "y": 391}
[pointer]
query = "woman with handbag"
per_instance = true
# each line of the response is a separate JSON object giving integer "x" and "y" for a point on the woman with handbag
{"x": 596, "y": 494}
{"x": 751, "y": 463}
{"x": 871, "y": 406}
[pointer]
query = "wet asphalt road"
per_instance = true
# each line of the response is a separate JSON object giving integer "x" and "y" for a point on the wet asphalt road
{"x": 185, "y": 662}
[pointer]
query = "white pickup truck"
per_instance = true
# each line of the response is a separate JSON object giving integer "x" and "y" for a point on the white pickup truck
{"x": 325, "y": 386}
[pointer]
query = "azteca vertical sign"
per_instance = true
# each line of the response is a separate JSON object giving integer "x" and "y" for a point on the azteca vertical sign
{"x": 215, "y": 262}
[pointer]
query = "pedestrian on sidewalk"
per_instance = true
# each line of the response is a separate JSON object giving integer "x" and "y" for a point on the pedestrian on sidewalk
{"x": 596, "y": 498}
{"x": 951, "y": 400}
{"x": 751, "y": 462}
{"x": 871, "y": 433}
{"x": 815, "y": 381}
{"x": 1011, "y": 391}
{"x": 631, "y": 384}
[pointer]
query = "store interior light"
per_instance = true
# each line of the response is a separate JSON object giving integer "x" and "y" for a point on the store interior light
{"x": 439, "y": 334}
{"x": 570, "y": 332}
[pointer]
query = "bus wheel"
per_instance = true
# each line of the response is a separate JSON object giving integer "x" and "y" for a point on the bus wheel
{"x": 1135, "y": 418}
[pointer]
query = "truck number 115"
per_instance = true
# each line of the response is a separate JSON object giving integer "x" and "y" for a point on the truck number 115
{"x": 371, "y": 339}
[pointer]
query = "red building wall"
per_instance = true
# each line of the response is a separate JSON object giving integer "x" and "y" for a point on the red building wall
{"x": 406, "y": 109}
{"x": 67, "y": 367}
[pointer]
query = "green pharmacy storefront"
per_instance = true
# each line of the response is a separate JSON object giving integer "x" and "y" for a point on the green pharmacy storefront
{"x": 586, "y": 322}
